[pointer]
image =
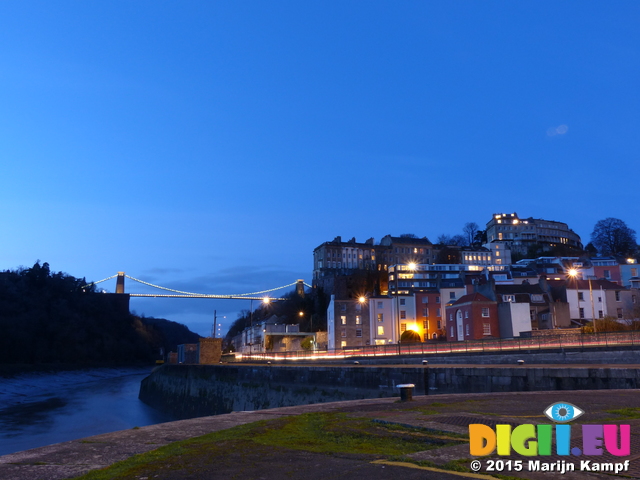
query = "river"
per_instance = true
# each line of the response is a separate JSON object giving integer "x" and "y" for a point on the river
{"x": 42, "y": 409}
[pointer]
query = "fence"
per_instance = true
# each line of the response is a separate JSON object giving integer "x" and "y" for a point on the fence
{"x": 547, "y": 342}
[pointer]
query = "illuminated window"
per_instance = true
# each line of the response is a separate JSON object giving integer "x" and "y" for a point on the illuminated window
{"x": 425, "y": 325}
{"x": 358, "y": 320}
{"x": 343, "y": 319}
{"x": 380, "y": 330}
{"x": 380, "y": 317}
{"x": 403, "y": 327}
{"x": 343, "y": 343}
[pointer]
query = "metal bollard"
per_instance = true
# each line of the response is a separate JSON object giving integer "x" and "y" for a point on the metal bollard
{"x": 406, "y": 392}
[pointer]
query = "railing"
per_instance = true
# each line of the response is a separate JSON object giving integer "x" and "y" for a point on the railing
{"x": 546, "y": 342}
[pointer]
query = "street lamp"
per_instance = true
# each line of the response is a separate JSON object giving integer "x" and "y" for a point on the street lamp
{"x": 573, "y": 272}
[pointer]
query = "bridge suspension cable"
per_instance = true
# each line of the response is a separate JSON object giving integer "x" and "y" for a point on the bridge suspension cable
{"x": 100, "y": 281}
{"x": 205, "y": 295}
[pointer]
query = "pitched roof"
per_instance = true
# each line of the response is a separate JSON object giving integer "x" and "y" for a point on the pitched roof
{"x": 472, "y": 297}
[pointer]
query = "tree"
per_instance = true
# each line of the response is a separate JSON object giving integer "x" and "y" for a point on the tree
{"x": 612, "y": 236}
{"x": 470, "y": 230}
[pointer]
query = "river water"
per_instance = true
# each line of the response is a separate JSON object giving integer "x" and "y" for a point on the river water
{"x": 42, "y": 409}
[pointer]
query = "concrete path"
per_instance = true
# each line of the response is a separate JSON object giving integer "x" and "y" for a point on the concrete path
{"x": 452, "y": 413}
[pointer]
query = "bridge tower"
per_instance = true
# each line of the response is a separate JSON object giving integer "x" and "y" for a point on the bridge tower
{"x": 300, "y": 288}
{"x": 120, "y": 283}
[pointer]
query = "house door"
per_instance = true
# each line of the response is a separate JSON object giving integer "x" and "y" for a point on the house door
{"x": 460, "y": 326}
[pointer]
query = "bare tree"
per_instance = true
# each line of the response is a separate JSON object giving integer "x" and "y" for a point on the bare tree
{"x": 612, "y": 236}
{"x": 470, "y": 230}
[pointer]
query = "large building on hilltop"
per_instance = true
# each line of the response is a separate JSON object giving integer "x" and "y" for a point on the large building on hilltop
{"x": 523, "y": 234}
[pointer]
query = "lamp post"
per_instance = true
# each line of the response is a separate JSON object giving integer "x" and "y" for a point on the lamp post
{"x": 574, "y": 273}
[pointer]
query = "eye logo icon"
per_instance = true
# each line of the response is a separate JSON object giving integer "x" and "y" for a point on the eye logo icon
{"x": 562, "y": 412}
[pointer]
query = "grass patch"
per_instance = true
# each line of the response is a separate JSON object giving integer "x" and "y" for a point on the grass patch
{"x": 629, "y": 412}
{"x": 327, "y": 433}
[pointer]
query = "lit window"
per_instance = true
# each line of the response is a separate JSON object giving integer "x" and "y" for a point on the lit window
{"x": 343, "y": 343}
{"x": 358, "y": 320}
{"x": 509, "y": 298}
{"x": 343, "y": 319}
{"x": 380, "y": 330}
{"x": 403, "y": 327}
{"x": 380, "y": 317}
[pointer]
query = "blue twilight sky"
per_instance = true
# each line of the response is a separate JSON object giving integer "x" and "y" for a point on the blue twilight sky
{"x": 210, "y": 146}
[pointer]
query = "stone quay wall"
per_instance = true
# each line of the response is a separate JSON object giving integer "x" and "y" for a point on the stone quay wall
{"x": 187, "y": 391}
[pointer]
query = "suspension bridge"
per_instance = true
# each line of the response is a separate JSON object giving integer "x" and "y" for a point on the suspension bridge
{"x": 261, "y": 295}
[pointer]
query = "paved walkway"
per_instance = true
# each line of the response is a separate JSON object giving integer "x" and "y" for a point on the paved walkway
{"x": 450, "y": 413}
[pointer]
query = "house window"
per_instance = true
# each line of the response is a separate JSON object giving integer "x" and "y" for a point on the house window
{"x": 425, "y": 299}
{"x": 380, "y": 305}
{"x": 425, "y": 310}
{"x": 358, "y": 307}
{"x": 358, "y": 332}
{"x": 536, "y": 298}
{"x": 580, "y": 296}
{"x": 466, "y": 314}
{"x": 509, "y": 298}
{"x": 532, "y": 315}
{"x": 619, "y": 312}
{"x": 485, "y": 312}
{"x": 451, "y": 332}
{"x": 486, "y": 329}
{"x": 403, "y": 301}
{"x": 403, "y": 314}
{"x": 343, "y": 343}
{"x": 343, "y": 307}
{"x": 634, "y": 272}
{"x": 452, "y": 295}
{"x": 343, "y": 319}
{"x": 425, "y": 325}
{"x": 344, "y": 333}
{"x": 607, "y": 274}
{"x": 618, "y": 296}
{"x": 380, "y": 330}
{"x": 437, "y": 299}
{"x": 600, "y": 314}
{"x": 439, "y": 323}
{"x": 358, "y": 320}
{"x": 438, "y": 313}
{"x": 581, "y": 312}
{"x": 403, "y": 327}
{"x": 467, "y": 329}
{"x": 380, "y": 317}
{"x": 451, "y": 317}
{"x": 633, "y": 299}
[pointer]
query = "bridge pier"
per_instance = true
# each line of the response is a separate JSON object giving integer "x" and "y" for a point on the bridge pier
{"x": 120, "y": 283}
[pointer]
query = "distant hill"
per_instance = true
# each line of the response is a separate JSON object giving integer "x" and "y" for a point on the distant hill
{"x": 48, "y": 317}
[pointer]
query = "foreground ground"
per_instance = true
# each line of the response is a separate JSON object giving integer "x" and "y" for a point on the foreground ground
{"x": 381, "y": 439}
